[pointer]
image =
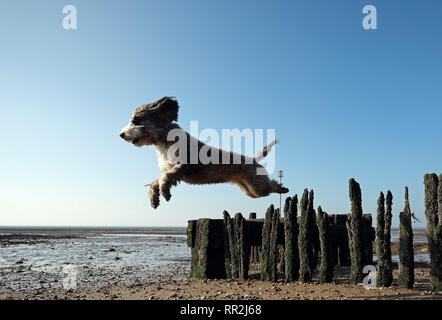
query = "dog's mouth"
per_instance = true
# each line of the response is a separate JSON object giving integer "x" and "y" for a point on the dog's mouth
{"x": 135, "y": 141}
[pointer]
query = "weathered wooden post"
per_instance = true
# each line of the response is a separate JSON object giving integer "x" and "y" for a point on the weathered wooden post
{"x": 341, "y": 249}
{"x": 406, "y": 253}
{"x": 228, "y": 244}
{"x": 380, "y": 228}
{"x": 326, "y": 268}
{"x": 206, "y": 238}
{"x": 313, "y": 231}
{"x": 388, "y": 263}
{"x": 254, "y": 250}
{"x": 231, "y": 254}
{"x": 273, "y": 254}
{"x": 291, "y": 231}
{"x": 268, "y": 252}
{"x": 368, "y": 236}
{"x": 433, "y": 213}
{"x": 242, "y": 245}
{"x": 354, "y": 232}
{"x": 304, "y": 241}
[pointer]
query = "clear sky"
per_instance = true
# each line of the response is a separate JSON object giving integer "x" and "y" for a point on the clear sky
{"x": 345, "y": 102}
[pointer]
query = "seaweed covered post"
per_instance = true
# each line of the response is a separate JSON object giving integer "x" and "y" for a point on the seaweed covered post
{"x": 269, "y": 245}
{"x": 231, "y": 254}
{"x": 326, "y": 268}
{"x": 406, "y": 254}
{"x": 368, "y": 236}
{"x": 315, "y": 246}
{"x": 304, "y": 241}
{"x": 433, "y": 213}
{"x": 291, "y": 230}
{"x": 273, "y": 270}
{"x": 388, "y": 263}
{"x": 228, "y": 244}
{"x": 242, "y": 246}
{"x": 254, "y": 250}
{"x": 205, "y": 236}
{"x": 354, "y": 232}
{"x": 380, "y": 227}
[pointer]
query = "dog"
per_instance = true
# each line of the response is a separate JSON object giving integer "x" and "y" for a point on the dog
{"x": 153, "y": 123}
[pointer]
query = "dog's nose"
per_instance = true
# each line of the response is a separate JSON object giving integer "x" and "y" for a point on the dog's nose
{"x": 122, "y": 135}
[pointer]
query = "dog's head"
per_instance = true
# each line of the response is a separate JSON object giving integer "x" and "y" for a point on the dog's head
{"x": 149, "y": 121}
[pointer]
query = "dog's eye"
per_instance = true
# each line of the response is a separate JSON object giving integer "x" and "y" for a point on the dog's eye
{"x": 136, "y": 121}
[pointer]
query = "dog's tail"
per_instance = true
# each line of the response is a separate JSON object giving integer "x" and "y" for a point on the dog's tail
{"x": 264, "y": 152}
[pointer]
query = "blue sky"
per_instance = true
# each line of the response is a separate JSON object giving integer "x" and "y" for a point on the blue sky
{"x": 345, "y": 102}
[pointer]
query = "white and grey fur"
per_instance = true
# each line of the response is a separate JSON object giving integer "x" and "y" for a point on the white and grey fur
{"x": 150, "y": 125}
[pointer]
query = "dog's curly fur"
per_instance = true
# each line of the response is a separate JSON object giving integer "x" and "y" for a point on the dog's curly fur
{"x": 151, "y": 124}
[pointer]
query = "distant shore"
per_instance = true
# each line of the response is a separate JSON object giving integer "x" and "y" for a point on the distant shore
{"x": 419, "y": 233}
{"x": 93, "y": 230}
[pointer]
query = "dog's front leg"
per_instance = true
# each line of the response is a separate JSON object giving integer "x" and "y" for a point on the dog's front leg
{"x": 154, "y": 194}
{"x": 170, "y": 178}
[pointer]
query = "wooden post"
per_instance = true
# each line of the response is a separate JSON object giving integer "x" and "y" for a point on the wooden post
{"x": 314, "y": 244}
{"x": 368, "y": 236}
{"x": 433, "y": 213}
{"x": 291, "y": 231}
{"x": 207, "y": 239}
{"x": 388, "y": 263}
{"x": 326, "y": 268}
{"x": 354, "y": 225}
{"x": 380, "y": 229}
{"x": 242, "y": 245}
{"x": 406, "y": 254}
{"x": 304, "y": 242}
{"x": 273, "y": 253}
{"x": 254, "y": 250}
{"x": 269, "y": 245}
{"x": 228, "y": 244}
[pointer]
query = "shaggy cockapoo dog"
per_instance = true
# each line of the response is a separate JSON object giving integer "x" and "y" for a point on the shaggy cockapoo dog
{"x": 179, "y": 155}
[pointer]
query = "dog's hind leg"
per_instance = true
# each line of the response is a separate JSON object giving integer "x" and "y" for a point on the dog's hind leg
{"x": 170, "y": 178}
{"x": 244, "y": 187}
{"x": 262, "y": 186}
{"x": 154, "y": 194}
{"x": 277, "y": 187}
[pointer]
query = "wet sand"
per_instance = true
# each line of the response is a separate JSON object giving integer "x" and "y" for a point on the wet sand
{"x": 170, "y": 281}
{"x": 251, "y": 289}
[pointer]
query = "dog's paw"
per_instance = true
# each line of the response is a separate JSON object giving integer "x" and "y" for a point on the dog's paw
{"x": 165, "y": 191}
{"x": 155, "y": 202}
{"x": 154, "y": 195}
{"x": 166, "y": 194}
{"x": 282, "y": 189}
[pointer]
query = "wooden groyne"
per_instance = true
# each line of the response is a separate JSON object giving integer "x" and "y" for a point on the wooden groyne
{"x": 224, "y": 248}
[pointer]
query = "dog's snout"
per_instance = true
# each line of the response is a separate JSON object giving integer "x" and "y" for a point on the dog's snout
{"x": 122, "y": 135}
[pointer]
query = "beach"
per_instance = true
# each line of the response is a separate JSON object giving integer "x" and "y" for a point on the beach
{"x": 152, "y": 264}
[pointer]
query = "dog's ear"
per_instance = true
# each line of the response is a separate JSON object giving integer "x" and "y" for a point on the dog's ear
{"x": 165, "y": 108}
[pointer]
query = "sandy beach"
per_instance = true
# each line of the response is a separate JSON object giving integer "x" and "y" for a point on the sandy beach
{"x": 117, "y": 268}
{"x": 222, "y": 289}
